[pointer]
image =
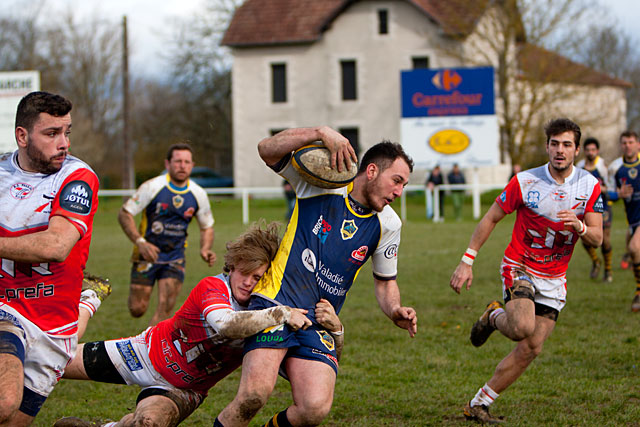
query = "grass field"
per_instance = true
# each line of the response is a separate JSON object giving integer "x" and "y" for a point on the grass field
{"x": 587, "y": 374}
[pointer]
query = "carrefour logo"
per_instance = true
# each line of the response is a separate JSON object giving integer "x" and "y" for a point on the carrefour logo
{"x": 76, "y": 197}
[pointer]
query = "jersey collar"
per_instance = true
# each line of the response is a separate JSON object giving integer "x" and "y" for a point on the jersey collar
{"x": 567, "y": 179}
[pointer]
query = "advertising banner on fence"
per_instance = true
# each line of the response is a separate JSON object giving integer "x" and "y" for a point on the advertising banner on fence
{"x": 448, "y": 116}
{"x": 14, "y": 85}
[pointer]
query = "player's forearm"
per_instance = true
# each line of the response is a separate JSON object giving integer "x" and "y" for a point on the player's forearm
{"x": 485, "y": 227}
{"x": 242, "y": 324}
{"x": 128, "y": 225}
{"x": 388, "y": 296}
{"x": 274, "y": 148}
{"x": 51, "y": 245}
{"x": 339, "y": 340}
{"x": 206, "y": 238}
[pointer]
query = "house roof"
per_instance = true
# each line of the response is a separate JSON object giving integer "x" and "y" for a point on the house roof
{"x": 269, "y": 22}
{"x": 539, "y": 64}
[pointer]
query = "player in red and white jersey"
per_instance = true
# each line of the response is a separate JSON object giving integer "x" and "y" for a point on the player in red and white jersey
{"x": 47, "y": 202}
{"x": 556, "y": 204}
{"x": 178, "y": 360}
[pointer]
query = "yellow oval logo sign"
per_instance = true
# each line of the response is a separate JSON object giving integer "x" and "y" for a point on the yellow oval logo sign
{"x": 449, "y": 141}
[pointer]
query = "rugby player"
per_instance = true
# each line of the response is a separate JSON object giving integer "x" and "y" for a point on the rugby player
{"x": 556, "y": 204}
{"x": 331, "y": 234}
{"x": 168, "y": 203}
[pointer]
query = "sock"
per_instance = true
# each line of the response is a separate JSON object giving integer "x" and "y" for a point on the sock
{"x": 593, "y": 254}
{"x": 636, "y": 273}
{"x": 279, "y": 420}
{"x": 89, "y": 300}
{"x": 494, "y": 315}
{"x": 607, "y": 254}
{"x": 485, "y": 396}
{"x": 217, "y": 423}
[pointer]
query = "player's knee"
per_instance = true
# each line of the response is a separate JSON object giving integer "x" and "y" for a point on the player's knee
{"x": 250, "y": 403}
{"x": 137, "y": 310}
{"x": 143, "y": 421}
{"x": 523, "y": 330}
{"x": 314, "y": 413}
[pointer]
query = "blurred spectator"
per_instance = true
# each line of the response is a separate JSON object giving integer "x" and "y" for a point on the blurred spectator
{"x": 436, "y": 178}
{"x": 515, "y": 169}
{"x": 456, "y": 177}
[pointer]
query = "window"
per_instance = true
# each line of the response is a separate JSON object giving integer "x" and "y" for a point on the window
{"x": 352, "y": 135}
{"x": 349, "y": 91}
{"x": 383, "y": 21}
{"x": 278, "y": 83}
{"x": 420, "y": 62}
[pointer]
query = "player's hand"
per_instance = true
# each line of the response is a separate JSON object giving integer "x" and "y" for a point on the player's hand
{"x": 463, "y": 274}
{"x": 342, "y": 153}
{"x": 406, "y": 318}
{"x": 326, "y": 316}
{"x": 570, "y": 220}
{"x": 625, "y": 191}
{"x": 298, "y": 320}
{"x": 149, "y": 251}
{"x": 208, "y": 256}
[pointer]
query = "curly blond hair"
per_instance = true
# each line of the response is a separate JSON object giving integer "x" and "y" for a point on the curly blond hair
{"x": 254, "y": 248}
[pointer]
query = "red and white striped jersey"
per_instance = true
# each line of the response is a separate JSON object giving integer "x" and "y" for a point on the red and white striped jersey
{"x": 540, "y": 242}
{"x": 46, "y": 293}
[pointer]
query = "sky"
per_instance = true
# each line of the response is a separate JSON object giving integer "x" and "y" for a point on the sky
{"x": 148, "y": 19}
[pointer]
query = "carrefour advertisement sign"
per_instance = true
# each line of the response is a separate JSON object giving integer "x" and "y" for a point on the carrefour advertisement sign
{"x": 14, "y": 85}
{"x": 448, "y": 116}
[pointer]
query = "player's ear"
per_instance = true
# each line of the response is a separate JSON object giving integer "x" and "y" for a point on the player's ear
{"x": 21, "y": 136}
{"x": 372, "y": 171}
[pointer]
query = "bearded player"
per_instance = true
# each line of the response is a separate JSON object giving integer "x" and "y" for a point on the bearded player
{"x": 556, "y": 204}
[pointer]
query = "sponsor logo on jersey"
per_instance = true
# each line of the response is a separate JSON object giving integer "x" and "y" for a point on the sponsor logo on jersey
{"x": 360, "y": 253}
{"x": 598, "y": 206}
{"x": 21, "y": 190}
{"x": 326, "y": 339}
{"x": 177, "y": 201}
{"x": 157, "y": 227}
{"x": 321, "y": 229}
{"x": 348, "y": 229}
{"x": 162, "y": 208}
{"x": 76, "y": 197}
{"x": 503, "y": 197}
{"x": 391, "y": 251}
{"x": 326, "y": 355}
{"x": 633, "y": 173}
{"x": 129, "y": 355}
{"x": 325, "y": 272}
{"x": 188, "y": 214}
{"x": 533, "y": 197}
{"x": 271, "y": 337}
{"x": 558, "y": 195}
{"x": 309, "y": 260}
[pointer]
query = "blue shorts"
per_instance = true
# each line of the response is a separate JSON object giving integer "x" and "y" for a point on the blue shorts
{"x": 314, "y": 343}
{"x": 147, "y": 273}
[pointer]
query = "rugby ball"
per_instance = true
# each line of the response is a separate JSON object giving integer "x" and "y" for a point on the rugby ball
{"x": 313, "y": 164}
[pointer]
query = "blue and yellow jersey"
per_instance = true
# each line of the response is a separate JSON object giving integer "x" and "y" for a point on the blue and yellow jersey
{"x": 599, "y": 170}
{"x": 628, "y": 174}
{"x": 328, "y": 239}
{"x": 166, "y": 213}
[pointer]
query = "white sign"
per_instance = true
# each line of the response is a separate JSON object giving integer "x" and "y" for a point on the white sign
{"x": 465, "y": 140}
{"x": 14, "y": 85}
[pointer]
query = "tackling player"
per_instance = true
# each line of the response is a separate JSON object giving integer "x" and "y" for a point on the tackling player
{"x": 168, "y": 203}
{"x": 595, "y": 164}
{"x": 628, "y": 186}
{"x": 556, "y": 204}
{"x": 48, "y": 201}
{"x": 178, "y": 360}
{"x": 331, "y": 234}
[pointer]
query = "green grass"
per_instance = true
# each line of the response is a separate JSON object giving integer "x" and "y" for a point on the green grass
{"x": 587, "y": 373}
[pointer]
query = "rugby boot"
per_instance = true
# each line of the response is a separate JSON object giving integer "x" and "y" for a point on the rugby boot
{"x": 595, "y": 270}
{"x": 483, "y": 328}
{"x": 624, "y": 262}
{"x": 635, "y": 304}
{"x": 608, "y": 278}
{"x": 97, "y": 284}
{"x": 480, "y": 414}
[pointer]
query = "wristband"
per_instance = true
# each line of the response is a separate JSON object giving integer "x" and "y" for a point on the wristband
{"x": 140, "y": 240}
{"x": 583, "y": 230}
{"x": 469, "y": 256}
{"x": 338, "y": 333}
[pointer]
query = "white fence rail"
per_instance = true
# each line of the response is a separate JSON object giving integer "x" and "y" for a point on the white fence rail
{"x": 246, "y": 192}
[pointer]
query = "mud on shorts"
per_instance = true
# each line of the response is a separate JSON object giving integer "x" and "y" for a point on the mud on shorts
{"x": 147, "y": 273}
{"x": 45, "y": 356}
{"x": 548, "y": 294}
{"x": 126, "y": 361}
{"x": 314, "y": 343}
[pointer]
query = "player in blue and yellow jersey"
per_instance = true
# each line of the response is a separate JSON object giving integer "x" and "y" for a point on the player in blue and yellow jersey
{"x": 593, "y": 163}
{"x": 331, "y": 234}
{"x": 168, "y": 203}
{"x": 628, "y": 185}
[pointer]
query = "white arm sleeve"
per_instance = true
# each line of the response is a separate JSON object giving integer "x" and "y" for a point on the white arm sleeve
{"x": 144, "y": 194}
{"x": 204, "y": 214}
{"x": 242, "y": 324}
{"x": 385, "y": 259}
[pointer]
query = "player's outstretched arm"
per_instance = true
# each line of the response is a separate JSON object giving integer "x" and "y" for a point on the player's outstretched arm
{"x": 274, "y": 148}
{"x": 327, "y": 318}
{"x": 242, "y": 324}
{"x": 148, "y": 250}
{"x": 463, "y": 273}
{"x": 388, "y": 296}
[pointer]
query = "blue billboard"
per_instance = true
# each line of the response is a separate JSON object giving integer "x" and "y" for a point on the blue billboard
{"x": 448, "y": 92}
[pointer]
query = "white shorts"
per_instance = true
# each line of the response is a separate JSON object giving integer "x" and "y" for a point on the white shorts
{"x": 130, "y": 356}
{"x": 46, "y": 356}
{"x": 551, "y": 292}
